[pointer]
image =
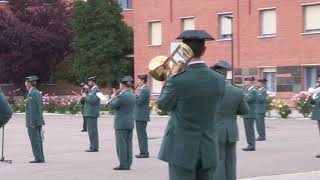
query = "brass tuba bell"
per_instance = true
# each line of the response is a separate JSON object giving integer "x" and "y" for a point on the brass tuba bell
{"x": 161, "y": 67}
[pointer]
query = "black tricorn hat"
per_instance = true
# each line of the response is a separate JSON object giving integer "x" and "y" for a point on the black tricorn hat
{"x": 222, "y": 65}
{"x": 249, "y": 79}
{"x": 92, "y": 78}
{"x": 32, "y": 78}
{"x": 195, "y": 35}
{"x": 126, "y": 79}
{"x": 264, "y": 80}
{"x": 143, "y": 77}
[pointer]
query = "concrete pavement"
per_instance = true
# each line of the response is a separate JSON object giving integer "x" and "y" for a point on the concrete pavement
{"x": 287, "y": 155}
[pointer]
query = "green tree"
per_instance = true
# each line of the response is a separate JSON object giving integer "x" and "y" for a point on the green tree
{"x": 102, "y": 41}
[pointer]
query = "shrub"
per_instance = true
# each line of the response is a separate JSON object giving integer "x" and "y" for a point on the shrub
{"x": 302, "y": 104}
{"x": 283, "y": 109}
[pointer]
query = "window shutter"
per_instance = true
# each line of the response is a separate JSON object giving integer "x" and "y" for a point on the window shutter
{"x": 312, "y": 17}
{"x": 155, "y": 33}
{"x": 188, "y": 24}
{"x": 225, "y": 25}
{"x": 269, "y": 22}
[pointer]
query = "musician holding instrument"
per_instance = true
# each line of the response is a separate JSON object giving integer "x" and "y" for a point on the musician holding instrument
{"x": 261, "y": 109}
{"x": 315, "y": 99}
{"x": 250, "y": 92}
{"x": 34, "y": 118}
{"x": 123, "y": 103}
{"x": 5, "y": 109}
{"x": 233, "y": 104}
{"x": 192, "y": 96}
{"x": 91, "y": 113}
{"x": 5, "y": 115}
{"x": 85, "y": 89}
{"x": 142, "y": 115}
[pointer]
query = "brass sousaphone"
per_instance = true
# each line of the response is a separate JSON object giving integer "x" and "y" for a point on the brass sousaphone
{"x": 161, "y": 67}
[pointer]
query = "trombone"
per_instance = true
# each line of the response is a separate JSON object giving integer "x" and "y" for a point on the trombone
{"x": 161, "y": 67}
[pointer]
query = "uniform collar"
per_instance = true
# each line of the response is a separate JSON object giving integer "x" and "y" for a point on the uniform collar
{"x": 251, "y": 88}
{"x": 143, "y": 86}
{"x": 30, "y": 90}
{"x": 196, "y": 62}
{"x": 94, "y": 87}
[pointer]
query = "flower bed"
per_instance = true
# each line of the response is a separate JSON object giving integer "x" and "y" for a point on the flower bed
{"x": 302, "y": 104}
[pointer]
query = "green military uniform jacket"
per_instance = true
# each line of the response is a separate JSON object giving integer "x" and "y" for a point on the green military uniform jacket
{"x": 142, "y": 109}
{"x": 251, "y": 99}
{"x": 193, "y": 97}
{"x": 34, "y": 109}
{"x": 123, "y": 105}
{"x": 5, "y": 109}
{"x": 92, "y": 103}
{"x": 233, "y": 104}
{"x": 261, "y": 107}
{"x": 316, "y": 110}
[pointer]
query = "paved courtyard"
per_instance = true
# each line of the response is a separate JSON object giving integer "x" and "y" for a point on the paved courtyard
{"x": 287, "y": 155}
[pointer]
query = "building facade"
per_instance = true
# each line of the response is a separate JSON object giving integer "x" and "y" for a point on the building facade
{"x": 274, "y": 39}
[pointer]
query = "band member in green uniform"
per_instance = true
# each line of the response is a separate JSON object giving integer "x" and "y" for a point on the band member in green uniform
{"x": 5, "y": 109}
{"x": 91, "y": 113}
{"x": 85, "y": 89}
{"x": 192, "y": 97}
{"x": 233, "y": 104}
{"x": 251, "y": 97}
{"x": 142, "y": 115}
{"x": 123, "y": 102}
{"x": 315, "y": 98}
{"x": 34, "y": 118}
{"x": 261, "y": 109}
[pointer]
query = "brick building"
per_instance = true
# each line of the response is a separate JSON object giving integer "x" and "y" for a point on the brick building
{"x": 275, "y": 39}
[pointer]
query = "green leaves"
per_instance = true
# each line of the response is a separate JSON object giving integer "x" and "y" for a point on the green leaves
{"x": 102, "y": 41}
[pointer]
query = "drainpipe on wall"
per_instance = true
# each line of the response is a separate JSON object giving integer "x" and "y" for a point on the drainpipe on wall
{"x": 238, "y": 33}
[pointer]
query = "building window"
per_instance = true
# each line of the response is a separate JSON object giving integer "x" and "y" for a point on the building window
{"x": 225, "y": 26}
{"x": 270, "y": 74}
{"x": 155, "y": 33}
{"x": 156, "y": 86}
{"x": 125, "y": 4}
{"x": 312, "y": 18}
{"x": 268, "y": 22}
{"x": 310, "y": 77}
{"x": 188, "y": 23}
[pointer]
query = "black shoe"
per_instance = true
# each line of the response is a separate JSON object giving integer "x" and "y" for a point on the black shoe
{"x": 121, "y": 169}
{"x": 318, "y": 156}
{"x": 37, "y": 161}
{"x": 92, "y": 150}
{"x": 140, "y": 156}
{"x": 249, "y": 149}
{"x": 83, "y": 130}
{"x": 260, "y": 139}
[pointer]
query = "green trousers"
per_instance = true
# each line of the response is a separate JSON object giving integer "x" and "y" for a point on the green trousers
{"x": 124, "y": 147}
{"x": 319, "y": 126}
{"x": 180, "y": 173}
{"x": 260, "y": 124}
{"x": 228, "y": 160}
{"x": 84, "y": 125}
{"x": 250, "y": 132}
{"x": 36, "y": 143}
{"x": 141, "y": 127}
{"x": 92, "y": 125}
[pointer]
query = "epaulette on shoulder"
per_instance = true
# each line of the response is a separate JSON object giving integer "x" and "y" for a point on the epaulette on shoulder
{"x": 177, "y": 74}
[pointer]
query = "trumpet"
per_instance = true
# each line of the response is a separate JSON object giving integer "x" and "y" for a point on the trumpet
{"x": 161, "y": 67}
{"x": 115, "y": 94}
